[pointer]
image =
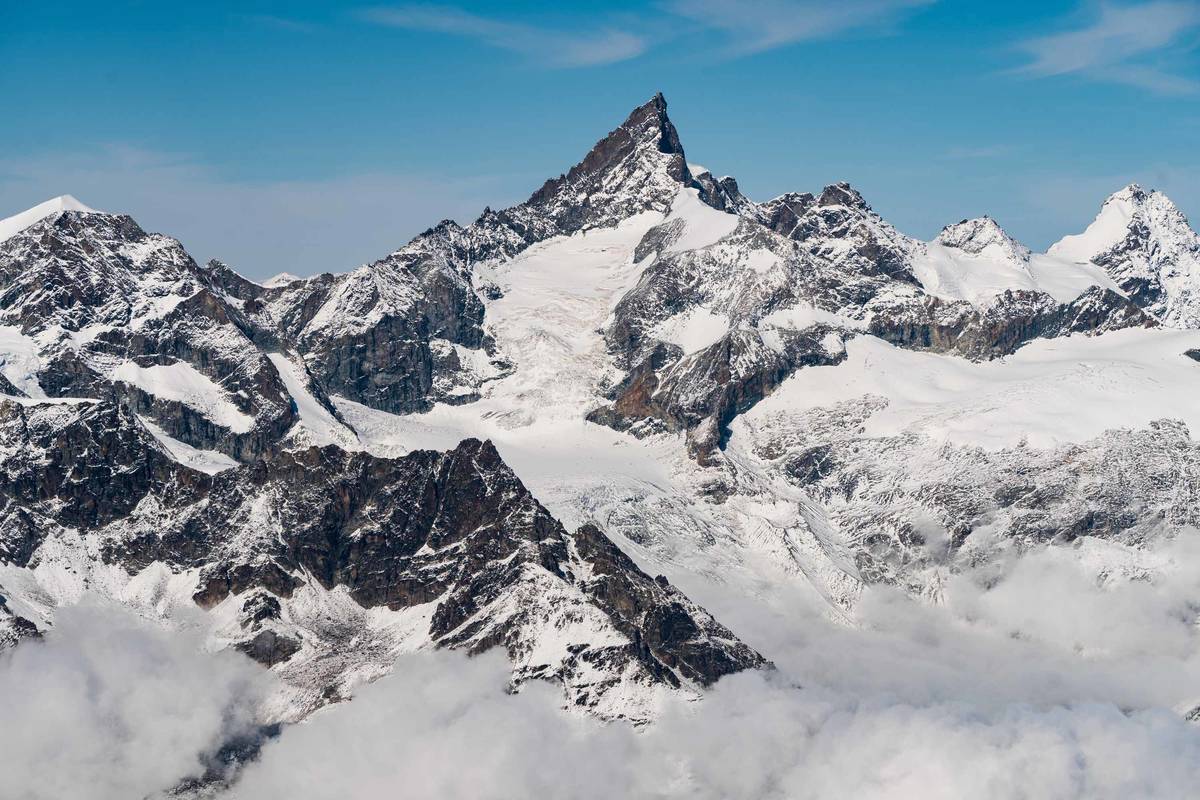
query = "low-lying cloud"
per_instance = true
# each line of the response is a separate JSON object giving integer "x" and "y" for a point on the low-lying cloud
{"x": 110, "y": 707}
{"x": 1063, "y": 673}
{"x": 1038, "y": 682}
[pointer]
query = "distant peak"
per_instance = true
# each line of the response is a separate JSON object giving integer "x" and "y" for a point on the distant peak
{"x": 982, "y": 236}
{"x": 13, "y": 225}
{"x": 1148, "y": 215}
{"x": 66, "y": 202}
{"x": 842, "y": 194}
{"x": 282, "y": 279}
{"x": 1133, "y": 192}
{"x": 448, "y": 226}
{"x": 654, "y": 114}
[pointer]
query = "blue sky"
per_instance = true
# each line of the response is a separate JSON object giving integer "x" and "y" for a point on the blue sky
{"x": 315, "y": 136}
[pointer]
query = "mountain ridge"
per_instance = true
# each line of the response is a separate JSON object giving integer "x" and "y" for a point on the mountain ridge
{"x": 356, "y": 430}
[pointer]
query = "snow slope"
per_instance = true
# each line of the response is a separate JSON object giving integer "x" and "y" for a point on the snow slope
{"x": 319, "y": 425}
{"x": 1108, "y": 229}
{"x": 184, "y": 383}
{"x": 1050, "y": 392}
{"x": 10, "y": 226}
{"x": 975, "y": 260}
{"x": 1146, "y": 245}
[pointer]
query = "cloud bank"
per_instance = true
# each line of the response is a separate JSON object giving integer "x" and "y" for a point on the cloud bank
{"x": 1035, "y": 677}
{"x": 108, "y": 707}
{"x": 1037, "y": 681}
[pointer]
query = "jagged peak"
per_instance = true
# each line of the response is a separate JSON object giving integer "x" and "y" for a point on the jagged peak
{"x": 982, "y": 236}
{"x": 1132, "y": 193}
{"x": 648, "y": 124}
{"x": 10, "y": 226}
{"x": 842, "y": 194}
{"x": 791, "y": 198}
{"x": 447, "y": 226}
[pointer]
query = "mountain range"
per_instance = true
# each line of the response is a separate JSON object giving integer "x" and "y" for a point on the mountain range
{"x": 525, "y": 432}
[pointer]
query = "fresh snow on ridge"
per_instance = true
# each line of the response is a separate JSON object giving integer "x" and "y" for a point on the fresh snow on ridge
{"x": 1109, "y": 228}
{"x": 20, "y": 360}
{"x": 1144, "y": 243}
{"x": 185, "y": 384}
{"x": 282, "y": 279}
{"x": 976, "y": 260}
{"x": 694, "y": 329}
{"x": 209, "y": 461}
{"x": 1050, "y": 392}
{"x": 701, "y": 224}
{"x": 320, "y": 426}
{"x": 13, "y": 225}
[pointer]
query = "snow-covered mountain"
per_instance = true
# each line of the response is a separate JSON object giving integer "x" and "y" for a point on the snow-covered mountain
{"x": 1146, "y": 246}
{"x": 495, "y": 435}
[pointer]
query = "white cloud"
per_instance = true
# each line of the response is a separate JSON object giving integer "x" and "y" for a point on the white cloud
{"x": 556, "y": 48}
{"x": 110, "y": 707}
{"x": 260, "y": 228}
{"x": 1035, "y": 677}
{"x": 757, "y": 25}
{"x": 1128, "y": 44}
{"x": 1031, "y": 680}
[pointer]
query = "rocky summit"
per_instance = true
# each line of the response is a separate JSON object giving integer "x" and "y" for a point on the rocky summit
{"x": 516, "y": 433}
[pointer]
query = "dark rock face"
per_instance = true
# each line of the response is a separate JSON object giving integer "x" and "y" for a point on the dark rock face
{"x": 13, "y": 627}
{"x": 90, "y": 462}
{"x": 660, "y": 622}
{"x": 368, "y": 335}
{"x": 702, "y": 392}
{"x": 269, "y": 648}
{"x": 107, "y": 302}
{"x": 371, "y": 335}
{"x": 455, "y": 529}
{"x": 1015, "y": 318}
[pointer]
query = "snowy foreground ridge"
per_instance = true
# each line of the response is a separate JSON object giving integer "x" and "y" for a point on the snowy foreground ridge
{"x": 640, "y": 439}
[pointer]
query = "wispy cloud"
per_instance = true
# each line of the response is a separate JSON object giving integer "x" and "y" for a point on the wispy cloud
{"x": 554, "y": 47}
{"x": 754, "y": 26}
{"x": 1128, "y": 44}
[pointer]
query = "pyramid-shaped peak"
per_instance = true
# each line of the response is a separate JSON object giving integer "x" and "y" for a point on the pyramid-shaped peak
{"x": 10, "y": 226}
{"x": 982, "y": 236}
{"x": 636, "y": 166}
{"x": 653, "y": 113}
